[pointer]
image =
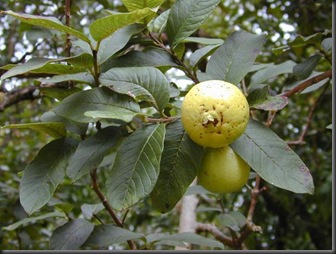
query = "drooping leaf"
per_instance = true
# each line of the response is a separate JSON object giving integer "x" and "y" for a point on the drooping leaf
{"x": 54, "y": 129}
{"x": 75, "y": 106}
{"x": 136, "y": 166}
{"x": 185, "y": 17}
{"x": 141, "y": 83}
{"x": 133, "y": 5}
{"x": 235, "y": 57}
{"x": 273, "y": 159}
{"x": 42, "y": 176}
{"x": 44, "y": 65}
{"x": 150, "y": 56}
{"x": 260, "y": 98}
{"x": 304, "y": 69}
{"x": 104, "y": 27}
{"x": 188, "y": 237}
{"x": 104, "y": 236}
{"x": 89, "y": 210}
{"x": 29, "y": 220}
{"x": 71, "y": 235}
{"x": 233, "y": 220}
{"x": 272, "y": 71}
{"x": 181, "y": 158}
{"x": 83, "y": 77}
{"x": 47, "y": 22}
{"x": 116, "y": 41}
{"x": 90, "y": 152}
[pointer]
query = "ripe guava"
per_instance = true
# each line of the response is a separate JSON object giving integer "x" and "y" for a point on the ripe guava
{"x": 214, "y": 113}
{"x": 223, "y": 170}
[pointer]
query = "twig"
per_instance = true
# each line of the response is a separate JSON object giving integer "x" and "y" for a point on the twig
{"x": 300, "y": 140}
{"x": 107, "y": 205}
{"x": 307, "y": 83}
{"x": 67, "y": 22}
{"x": 205, "y": 227}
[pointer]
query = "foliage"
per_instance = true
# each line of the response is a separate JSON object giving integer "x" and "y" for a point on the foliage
{"x": 109, "y": 161}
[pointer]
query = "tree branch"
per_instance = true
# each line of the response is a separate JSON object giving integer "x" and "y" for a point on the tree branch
{"x": 302, "y": 86}
{"x": 107, "y": 205}
{"x": 300, "y": 140}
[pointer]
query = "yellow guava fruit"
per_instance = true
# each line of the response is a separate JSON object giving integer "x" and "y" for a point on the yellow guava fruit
{"x": 214, "y": 113}
{"x": 222, "y": 170}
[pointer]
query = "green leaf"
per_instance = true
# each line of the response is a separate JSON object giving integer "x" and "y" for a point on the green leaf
{"x": 141, "y": 83}
{"x": 91, "y": 151}
{"x": 71, "y": 235}
{"x": 75, "y": 127}
{"x": 89, "y": 210}
{"x": 104, "y": 236}
{"x": 272, "y": 71}
{"x": 136, "y": 166}
{"x": 104, "y": 27}
{"x": 32, "y": 220}
{"x": 42, "y": 176}
{"x": 83, "y": 60}
{"x": 133, "y": 5}
{"x": 233, "y": 220}
{"x": 81, "y": 106}
{"x": 158, "y": 24}
{"x": 235, "y": 57}
{"x": 150, "y": 56}
{"x": 116, "y": 41}
{"x": 304, "y": 69}
{"x": 181, "y": 159}
{"x": 83, "y": 77}
{"x": 47, "y": 22}
{"x": 260, "y": 98}
{"x": 188, "y": 237}
{"x": 327, "y": 44}
{"x": 273, "y": 159}
{"x": 54, "y": 129}
{"x": 186, "y": 17}
{"x": 201, "y": 54}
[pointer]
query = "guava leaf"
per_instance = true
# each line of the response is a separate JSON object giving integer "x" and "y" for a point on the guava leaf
{"x": 104, "y": 236}
{"x": 71, "y": 235}
{"x": 54, "y": 129}
{"x": 86, "y": 105}
{"x": 233, "y": 220}
{"x": 116, "y": 41}
{"x": 91, "y": 151}
{"x": 181, "y": 158}
{"x": 261, "y": 99}
{"x": 179, "y": 239}
{"x": 83, "y": 77}
{"x": 272, "y": 71}
{"x": 136, "y": 166}
{"x": 141, "y": 83}
{"x": 133, "y": 5}
{"x": 104, "y": 27}
{"x": 185, "y": 17}
{"x": 158, "y": 24}
{"x": 304, "y": 70}
{"x": 47, "y": 22}
{"x": 235, "y": 57}
{"x": 32, "y": 220}
{"x": 42, "y": 176}
{"x": 80, "y": 61}
{"x": 89, "y": 210}
{"x": 273, "y": 159}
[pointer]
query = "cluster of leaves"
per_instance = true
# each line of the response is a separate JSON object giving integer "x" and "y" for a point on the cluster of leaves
{"x": 120, "y": 113}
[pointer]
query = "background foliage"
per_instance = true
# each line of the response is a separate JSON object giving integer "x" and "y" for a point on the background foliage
{"x": 291, "y": 37}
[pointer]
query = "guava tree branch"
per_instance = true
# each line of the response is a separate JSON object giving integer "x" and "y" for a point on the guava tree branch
{"x": 22, "y": 94}
{"x": 300, "y": 140}
{"x": 107, "y": 205}
{"x": 302, "y": 86}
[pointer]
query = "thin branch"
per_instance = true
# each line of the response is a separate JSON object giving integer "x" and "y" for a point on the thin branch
{"x": 300, "y": 140}
{"x": 205, "y": 227}
{"x": 67, "y": 23}
{"x": 302, "y": 86}
{"x": 107, "y": 205}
